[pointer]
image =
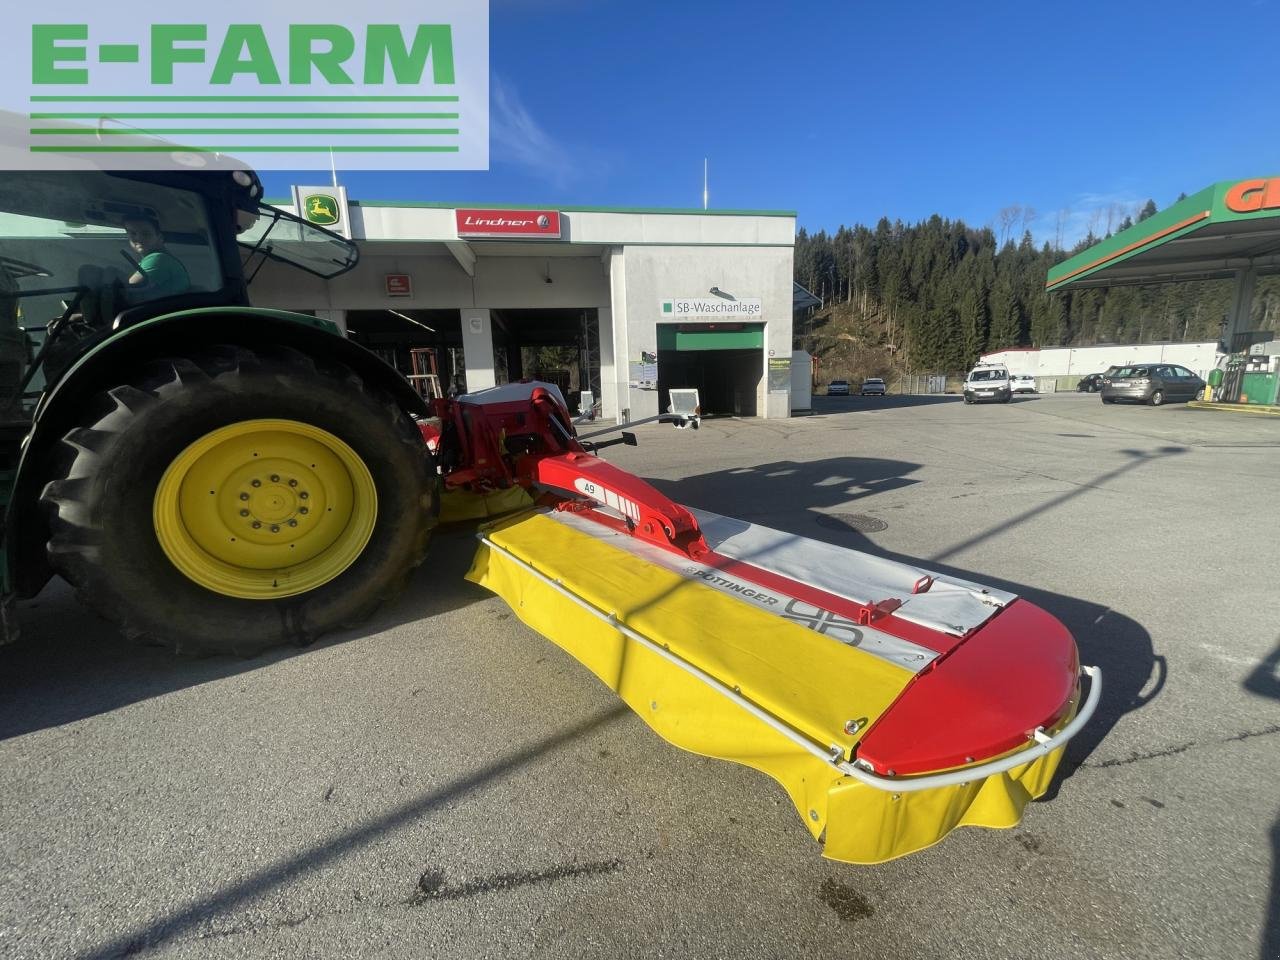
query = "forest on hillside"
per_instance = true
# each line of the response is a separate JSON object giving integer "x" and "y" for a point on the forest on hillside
{"x": 939, "y": 293}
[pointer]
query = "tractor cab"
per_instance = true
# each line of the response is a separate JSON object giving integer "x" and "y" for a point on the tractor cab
{"x": 87, "y": 253}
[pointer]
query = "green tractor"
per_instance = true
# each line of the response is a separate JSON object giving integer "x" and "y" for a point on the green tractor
{"x": 208, "y": 475}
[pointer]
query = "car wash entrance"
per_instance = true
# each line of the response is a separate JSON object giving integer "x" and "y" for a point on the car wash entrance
{"x": 725, "y": 361}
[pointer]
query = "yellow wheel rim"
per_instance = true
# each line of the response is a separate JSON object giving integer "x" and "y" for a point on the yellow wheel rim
{"x": 265, "y": 508}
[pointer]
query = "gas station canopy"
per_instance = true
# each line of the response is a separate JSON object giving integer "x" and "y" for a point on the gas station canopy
{"x": 1230, "y": 230}
{"x": 1215, "y": 234}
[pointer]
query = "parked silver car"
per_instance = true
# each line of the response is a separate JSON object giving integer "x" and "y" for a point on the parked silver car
{"x": 1153, "y": 383}
{"x": 872, "y": 387}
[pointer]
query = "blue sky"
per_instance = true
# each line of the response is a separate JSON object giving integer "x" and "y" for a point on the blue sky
{"x": 845, "y": 112}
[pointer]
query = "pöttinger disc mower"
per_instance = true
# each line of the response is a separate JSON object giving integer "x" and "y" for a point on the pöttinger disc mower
{"x": 892, "y": 703}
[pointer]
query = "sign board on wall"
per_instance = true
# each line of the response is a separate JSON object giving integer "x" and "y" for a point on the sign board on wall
{"x": 692, "y": 308}
{"x": 643, "y": 373}
{"x": 501, "y": 224}
{"x": 325, "y": 207}
{"x": 779, "y": 374}
{"x": 399, "y": 285}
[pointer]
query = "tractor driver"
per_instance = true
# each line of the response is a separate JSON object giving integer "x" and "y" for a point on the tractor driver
{"x": 160, "y": 273}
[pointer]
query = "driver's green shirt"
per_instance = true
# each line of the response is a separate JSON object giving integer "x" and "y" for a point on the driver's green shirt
{"x": 165, "y": 274}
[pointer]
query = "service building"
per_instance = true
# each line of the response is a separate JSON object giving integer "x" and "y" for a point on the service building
{"x": 641, "y": 300}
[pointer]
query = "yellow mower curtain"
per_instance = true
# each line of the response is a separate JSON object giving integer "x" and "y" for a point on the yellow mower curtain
{"x": 459, "y": 505}
{"x": 811, "y": 683}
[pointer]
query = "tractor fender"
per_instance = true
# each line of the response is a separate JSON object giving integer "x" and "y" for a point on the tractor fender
{"x": 26, "y": 530}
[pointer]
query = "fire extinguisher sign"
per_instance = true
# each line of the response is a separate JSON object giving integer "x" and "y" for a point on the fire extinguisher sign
{"x": 399, "y": 285}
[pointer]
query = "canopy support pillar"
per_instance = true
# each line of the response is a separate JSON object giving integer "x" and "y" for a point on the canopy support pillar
{"x": 1237, "y": 321}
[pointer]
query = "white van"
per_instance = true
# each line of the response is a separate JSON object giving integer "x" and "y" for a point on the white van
{"x": 988, "y": 382}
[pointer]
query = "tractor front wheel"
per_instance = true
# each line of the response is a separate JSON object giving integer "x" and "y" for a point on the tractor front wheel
{"x": 232, "y": 500}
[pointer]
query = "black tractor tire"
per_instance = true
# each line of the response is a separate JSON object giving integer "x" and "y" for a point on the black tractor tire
{"x": 100, "y": 504}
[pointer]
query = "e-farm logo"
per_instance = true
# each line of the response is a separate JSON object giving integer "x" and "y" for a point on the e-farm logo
{"x": 288, "y": 86}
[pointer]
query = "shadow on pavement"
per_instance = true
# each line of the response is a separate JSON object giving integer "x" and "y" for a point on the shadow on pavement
{"x": 831, "y": 406}
{"x": 1265, "y": 682}
{"x": 823, "y": 405}
{"x": 181, "y": 920}
{"x": 70, "y": 664}
{"x": 789, "y": 484}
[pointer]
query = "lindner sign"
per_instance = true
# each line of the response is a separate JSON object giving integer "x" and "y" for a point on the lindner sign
{"x": 499, "y": 224}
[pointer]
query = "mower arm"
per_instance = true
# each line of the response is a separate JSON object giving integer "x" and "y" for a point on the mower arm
{"x": 647, "y": 514}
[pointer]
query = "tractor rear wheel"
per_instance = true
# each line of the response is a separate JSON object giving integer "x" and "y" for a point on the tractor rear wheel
{"x": 233, "y": 500}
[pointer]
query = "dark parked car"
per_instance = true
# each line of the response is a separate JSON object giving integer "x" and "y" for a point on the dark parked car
{"x": 1090, "y": 384}
{"x": 1153, "y": 383}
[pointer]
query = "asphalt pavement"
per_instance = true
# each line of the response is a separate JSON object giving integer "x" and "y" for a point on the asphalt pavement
{"x": 445, "y": 783}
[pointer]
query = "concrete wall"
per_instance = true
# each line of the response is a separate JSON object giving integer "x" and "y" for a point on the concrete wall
{"x": 1200, "y": 358}
{"x": 375, "y": 221}
{"x": 439, "y": 282}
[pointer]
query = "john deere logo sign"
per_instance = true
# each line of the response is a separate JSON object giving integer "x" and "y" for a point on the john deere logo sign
{"x": 382, "y": 84}
{"x": 321, "y": 209}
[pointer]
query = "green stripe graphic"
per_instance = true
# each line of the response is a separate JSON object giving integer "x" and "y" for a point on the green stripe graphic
{"x": 244, "y": 116}
{"x": 241, "y": 99}
{"x": 258, "y": 148}
{"x": 251, "y": 131}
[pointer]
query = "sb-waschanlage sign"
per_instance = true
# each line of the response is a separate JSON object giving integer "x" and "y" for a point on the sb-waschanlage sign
{"x": 383, "y": 84}
{"x": 700, "y": 308}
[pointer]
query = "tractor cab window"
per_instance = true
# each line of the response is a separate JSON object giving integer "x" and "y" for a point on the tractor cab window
{"x": 269, "y": 233}
{"x": 76, "y": 249}
{"x": 92, "y": 244}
